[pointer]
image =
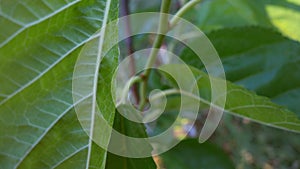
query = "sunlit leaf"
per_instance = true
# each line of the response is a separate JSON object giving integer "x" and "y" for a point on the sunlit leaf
{"x": 282, "y": 15}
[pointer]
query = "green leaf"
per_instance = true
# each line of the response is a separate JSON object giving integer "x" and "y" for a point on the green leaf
{"x": 39, "y": 44}
{"x": 243, "y": 103}
{"x": 285, "y": 16}
{"x": 280, "y": 14}
{"x": 132, "y": 129}
{"x": 260, "y": 60}
{"x": 190, "y": 154}
{"x": 230, "y": 13}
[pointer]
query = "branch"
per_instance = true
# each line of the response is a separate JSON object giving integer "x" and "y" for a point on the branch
{"x": 162, "y": 29}
{"x": 182, "y": 11}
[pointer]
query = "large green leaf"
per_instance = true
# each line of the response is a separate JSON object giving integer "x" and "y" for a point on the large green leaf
{"x": 259, "y": 59}
{"x": 40, "y": 43}
{"x": 189, "y": 154}
{"x": 241, "y": 102}
{"x": 284, "y": 15}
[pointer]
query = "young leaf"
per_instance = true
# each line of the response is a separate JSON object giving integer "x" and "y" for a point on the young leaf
{"x": 39, "y": 44}
{"x": 243, "y": 103}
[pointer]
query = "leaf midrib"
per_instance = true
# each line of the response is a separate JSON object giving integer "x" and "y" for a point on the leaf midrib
{"x": 94, "y": 92}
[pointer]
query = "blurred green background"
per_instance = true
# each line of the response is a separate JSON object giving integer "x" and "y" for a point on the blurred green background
{"x": 248, "y": 32}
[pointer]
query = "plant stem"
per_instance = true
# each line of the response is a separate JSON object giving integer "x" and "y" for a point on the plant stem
{"x": 181, "y": 92}
{"x": 126, "y": 89}
{"x": 182, "y": 11}
{"x": 143, "y": 91}
{"x": 162, "y": 29}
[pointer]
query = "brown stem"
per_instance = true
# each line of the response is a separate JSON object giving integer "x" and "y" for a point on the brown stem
{"x": 124, "y": 11}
